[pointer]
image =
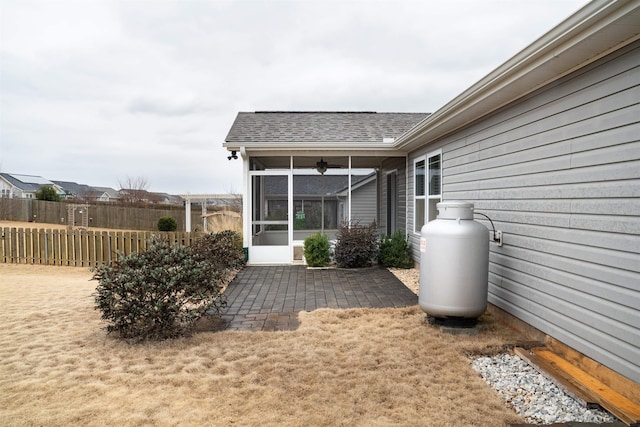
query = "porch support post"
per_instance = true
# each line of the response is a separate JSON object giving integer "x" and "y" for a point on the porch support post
{"x": 187, "y": 213}
{"x": 204, "y": 215}
{"x": 247, "y": 199}
{"x": 290, "y": 214}
{"x": 349, "y": 194}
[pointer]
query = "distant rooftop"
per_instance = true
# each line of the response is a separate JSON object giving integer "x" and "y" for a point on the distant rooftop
{"x": 30, "y": 179}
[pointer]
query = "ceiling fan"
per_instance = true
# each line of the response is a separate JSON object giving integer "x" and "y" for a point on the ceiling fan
{"x": 322, "y": 166}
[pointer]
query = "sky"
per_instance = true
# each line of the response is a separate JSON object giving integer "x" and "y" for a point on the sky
{"x": 105, "y": 92}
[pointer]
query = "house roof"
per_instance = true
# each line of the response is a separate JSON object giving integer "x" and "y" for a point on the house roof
{"x": 26, "y": 182}
{"x": 75, "y": 189}
{"x": 305, "y": 128}
{"x": 599, "y": 28}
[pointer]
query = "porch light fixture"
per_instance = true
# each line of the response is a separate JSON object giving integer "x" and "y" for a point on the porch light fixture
{"x": 232, "y": 156}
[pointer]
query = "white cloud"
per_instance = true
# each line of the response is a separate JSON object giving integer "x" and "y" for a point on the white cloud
{"x": 94, "y": 91}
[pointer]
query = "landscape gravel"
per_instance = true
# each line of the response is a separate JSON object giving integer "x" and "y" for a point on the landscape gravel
{"x": 532, "y": 395}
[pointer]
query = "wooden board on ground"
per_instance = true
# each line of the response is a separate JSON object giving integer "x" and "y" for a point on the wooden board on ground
{"x": 581, "y": 385}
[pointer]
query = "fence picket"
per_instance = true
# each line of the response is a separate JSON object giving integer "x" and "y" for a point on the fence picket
{"x": 91, "y": 248}
{"x": 98, "y": 248}
{"x": 54, "y": 251}
{"x": 13, "y": 236}
{"x": 28, "y": 246}
{"x": 20, "y": 242}
{"x": 2, "y": 244}
{"x": 77, "y": 248}
{"x": 64, "y": 248}
{"x": 36, "y": 247}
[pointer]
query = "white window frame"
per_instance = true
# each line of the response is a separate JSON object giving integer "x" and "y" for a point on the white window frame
{"x": 428, "y": 199}
{"x": 418, "y": 198}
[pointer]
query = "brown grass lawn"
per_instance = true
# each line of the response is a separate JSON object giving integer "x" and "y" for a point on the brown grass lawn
{"x": 365, "y": 367}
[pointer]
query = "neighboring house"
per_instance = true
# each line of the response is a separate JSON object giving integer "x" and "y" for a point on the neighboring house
{"x": 547, "y": 145}
{"x": 106, "y": 194}
{"x": 144, "y": 197}
{"x": 18, "y": 186}
{"x": 168, "y": 199}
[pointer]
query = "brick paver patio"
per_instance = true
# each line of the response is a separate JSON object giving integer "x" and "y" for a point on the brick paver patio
{"x": 269, "y": 298}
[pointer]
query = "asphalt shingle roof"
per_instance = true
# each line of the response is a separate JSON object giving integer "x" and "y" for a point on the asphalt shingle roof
{"x": 286, "y": 126}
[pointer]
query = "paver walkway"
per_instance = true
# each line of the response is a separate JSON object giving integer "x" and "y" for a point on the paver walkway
{"x": 270, "y": 297}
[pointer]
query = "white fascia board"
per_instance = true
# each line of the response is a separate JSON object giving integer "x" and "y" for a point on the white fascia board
{"x": 595, "y": 30}
{"x": 328, "y": 148}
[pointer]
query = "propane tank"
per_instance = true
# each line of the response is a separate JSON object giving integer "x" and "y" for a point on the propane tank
{"x": 454, "y": 263}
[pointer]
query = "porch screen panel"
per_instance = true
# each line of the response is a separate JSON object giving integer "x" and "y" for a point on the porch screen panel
{"x": 269, "y": 214}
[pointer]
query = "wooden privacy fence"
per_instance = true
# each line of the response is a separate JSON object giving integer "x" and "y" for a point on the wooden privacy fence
{"x": 79, "y": 248}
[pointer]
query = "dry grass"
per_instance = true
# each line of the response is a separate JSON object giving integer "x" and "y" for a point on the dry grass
{"x": 224, "y": 220}
{"x": 366, "y": 367}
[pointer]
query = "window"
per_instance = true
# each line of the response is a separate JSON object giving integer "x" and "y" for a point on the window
{"x": 427, "y": 188}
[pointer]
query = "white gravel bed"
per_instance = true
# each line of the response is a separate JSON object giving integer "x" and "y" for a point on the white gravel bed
{"x": 532, "y": 395}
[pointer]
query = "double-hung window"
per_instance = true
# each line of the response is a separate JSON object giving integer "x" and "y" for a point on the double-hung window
{"x": 427, "y": 193}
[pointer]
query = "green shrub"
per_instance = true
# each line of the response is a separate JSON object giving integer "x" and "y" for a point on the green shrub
{"x": 47, "y": 192}
{"x": 167, "y": 223}
{"x": 395, "y": 251}
{"x": 317, "y": 250}
{"x": 158, "y": 294}
{"x": 356, "y": 246}
{"x": 223, "y": 250}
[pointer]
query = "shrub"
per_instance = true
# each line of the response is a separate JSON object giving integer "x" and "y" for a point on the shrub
{"x": 223, "y": 250}
{"x": 167, "y": 223}
{"x": 47, "y": 192}
{"x": 316, "y": 250}
{"x": 356, "y": 246}
{"x": 158, "y": 294}
{"x": 395, "y": 251}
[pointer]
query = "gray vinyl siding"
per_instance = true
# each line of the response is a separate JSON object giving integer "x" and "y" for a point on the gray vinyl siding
{"x": 364, "y": 203}
{"x": 559, "y": 173}
{"x": 397, "y": 165}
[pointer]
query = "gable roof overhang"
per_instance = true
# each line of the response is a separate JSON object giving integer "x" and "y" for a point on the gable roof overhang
{"x": 594, "y": 31}
{"x": 319, "y": 133}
